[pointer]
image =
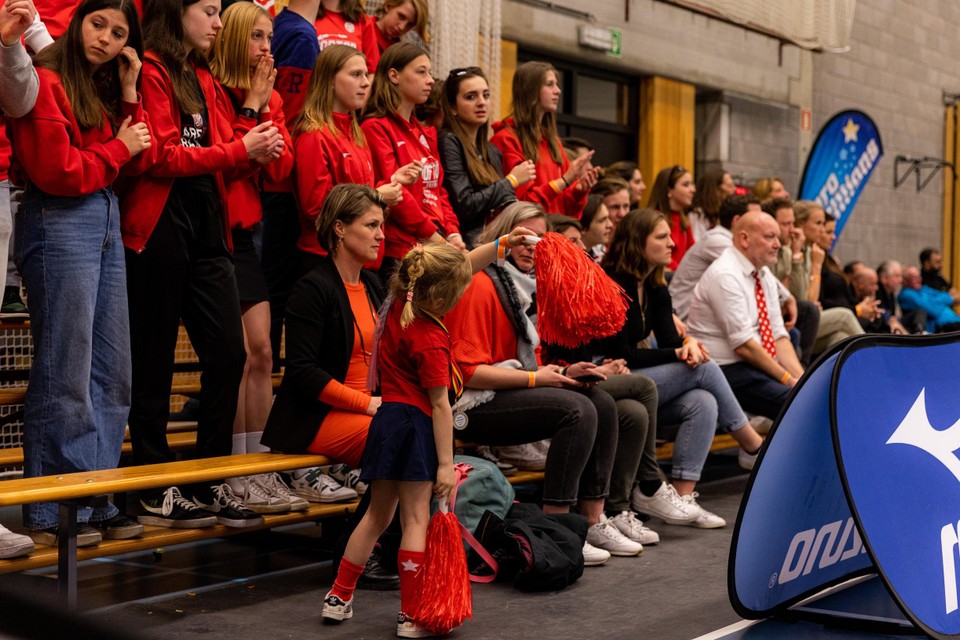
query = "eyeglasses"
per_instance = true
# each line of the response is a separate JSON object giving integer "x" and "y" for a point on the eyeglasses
{"x": 462, "y": 71}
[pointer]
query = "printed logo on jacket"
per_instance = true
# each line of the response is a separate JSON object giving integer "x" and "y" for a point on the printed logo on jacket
{"x": 860, "y": 474}
{"x": 847, "y": 150}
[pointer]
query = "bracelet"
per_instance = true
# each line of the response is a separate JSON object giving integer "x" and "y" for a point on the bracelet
{"x": 814, "y": 278}
{"x": 555, "y": 184}
{"x": 857, "y": 311}
{"x": 512, "y": 179}
{"x": 505, "y": 242}
{"x": 786, "y": 376}
{"x": 533, "y": 380}
{"x": 247, "y": 112}
{"x": 500, "y": 245}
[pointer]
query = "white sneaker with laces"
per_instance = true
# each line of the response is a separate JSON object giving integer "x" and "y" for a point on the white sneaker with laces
{"x": 407, "y": 628}
{"x": 316, "y": 486}
{"x": 13, "y": 545}
{"x": 631, "y": 526}
{"x": 705, "y": 519}
{"x": 605, "y": 535}
{"x": 256, "y": 496}
{"x": 487, "y": 454}
{"x": 528, "y": 457}
{"x": 593, "y": 557}
{"x": 275, "y": 483}
{"x": 665, "y": 504}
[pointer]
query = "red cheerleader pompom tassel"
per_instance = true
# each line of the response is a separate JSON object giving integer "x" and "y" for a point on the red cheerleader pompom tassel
{"x": 445, "y": 599}
{"x": 576, "y": 301}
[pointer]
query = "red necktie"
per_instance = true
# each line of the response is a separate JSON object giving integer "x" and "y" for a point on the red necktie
{"x": 766, "y": 333}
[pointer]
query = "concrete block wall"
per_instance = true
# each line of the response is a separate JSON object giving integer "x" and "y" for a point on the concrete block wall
{"x": 904, "y": 54}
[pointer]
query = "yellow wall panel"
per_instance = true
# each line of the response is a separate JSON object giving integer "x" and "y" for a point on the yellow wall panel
{"x": 666, "y": 126}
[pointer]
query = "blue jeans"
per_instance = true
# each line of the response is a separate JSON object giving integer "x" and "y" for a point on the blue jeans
{"x": 70, "y": 255}
{"x": 701, "y": 401}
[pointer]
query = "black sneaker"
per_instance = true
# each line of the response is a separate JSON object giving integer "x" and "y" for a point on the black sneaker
{"x": 376, "y": 577}
{"x": 170, "y": 509}
{"x": 12, "y": 306}
{"x": 224, "y": 505}
{"x": 87, "y": 536}
{"x": 119, "y": 527}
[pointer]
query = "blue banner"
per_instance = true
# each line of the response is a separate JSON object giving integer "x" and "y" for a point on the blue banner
{"x": 795, "y": 534}
{"x": 846, "y": 152}
{"x": 897, "y": 425}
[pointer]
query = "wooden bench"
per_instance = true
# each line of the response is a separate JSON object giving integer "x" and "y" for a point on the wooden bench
{"x": 72, "y": 489}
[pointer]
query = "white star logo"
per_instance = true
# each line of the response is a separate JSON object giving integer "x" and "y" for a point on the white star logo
{"x": 850, "y": 131}
{"x": 410, "y": 565}
{"x": 915, "y": 430}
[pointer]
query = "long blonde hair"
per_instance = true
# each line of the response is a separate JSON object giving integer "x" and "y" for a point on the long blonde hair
{"x": 511, "y": 216}
{"x": 430, "y": 278}
{"x": 530, "y": 121}
{"x": 230, "y": 52}
{"x": 317, "y": 112}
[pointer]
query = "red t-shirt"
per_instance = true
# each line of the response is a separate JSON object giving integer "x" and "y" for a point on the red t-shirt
{"x": 333, "y": 28}
{"x": 412, "y": 360}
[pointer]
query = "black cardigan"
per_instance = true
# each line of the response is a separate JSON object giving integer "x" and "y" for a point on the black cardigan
{"x": 658, "y": 319}
{"x": 473, "y": 203}
{"x": 319, "y": 341}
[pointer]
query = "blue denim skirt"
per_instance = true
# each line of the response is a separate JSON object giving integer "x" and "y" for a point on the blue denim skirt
{"x": 400, "y": 445}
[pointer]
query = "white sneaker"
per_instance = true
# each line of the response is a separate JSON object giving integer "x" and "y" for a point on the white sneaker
{"x": 335, "y": 609}
{"x": 350, "y": 478}
{"x": 665, "y": 504}
{"x": 747, "y": 460}
{"x": 528, "y": 457}
{"x": 14, "y": 545}
{"x": 705, "y": 519}
{"x": 407, "y": 628}
{"x": 761, "y": 424}
{"x": 593, "y": 557}
{"x": 256, "y": 496}
{"x": 487, "y": 454}
{"x": 631, "y": 526}
{"x": 316, "y": 486}
{"x": 605, "y": 535}
{"x": 275, "y": 483}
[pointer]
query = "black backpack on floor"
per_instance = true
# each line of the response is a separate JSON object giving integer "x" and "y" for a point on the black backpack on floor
{"x": 539, "y": 552}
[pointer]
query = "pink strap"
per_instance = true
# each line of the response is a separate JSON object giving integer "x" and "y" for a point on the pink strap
{"x": 462, "y": 469}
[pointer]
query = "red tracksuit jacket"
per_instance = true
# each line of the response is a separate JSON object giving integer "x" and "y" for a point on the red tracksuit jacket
{"x": 425, "y": 207}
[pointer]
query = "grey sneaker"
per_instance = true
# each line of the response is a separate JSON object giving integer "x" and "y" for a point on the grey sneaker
{"x": 665, "y": 504}
{"x": 275, "y": 483}
{"x": 316, "y": 486}
{"x": 528, "y": 457}
{"x": 629, "y": 525}
{"x": 14, "y": 545}
{"x": 256, "y": 496}
{"x": 604, "y": 535}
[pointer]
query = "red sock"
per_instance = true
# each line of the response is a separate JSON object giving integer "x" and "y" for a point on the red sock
{"x": 410, "y": 565}
{"x": 346, "y": 581}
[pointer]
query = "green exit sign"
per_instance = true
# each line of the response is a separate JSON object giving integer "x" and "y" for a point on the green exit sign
{"x": 616, "y": 43}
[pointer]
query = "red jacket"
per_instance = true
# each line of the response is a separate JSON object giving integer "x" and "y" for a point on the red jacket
{"x": 53, "y": 153}
{"x": 324, "y": 160}
{"x": 333, "y": 28}
{"x": 425, "y": 207}
{"x": 244, "y": 187}
{"x": 142, "y": 199}
{"x": 682, "y": 240}
{"x": 5, "y": 150}
{"x": 569, "y": 202}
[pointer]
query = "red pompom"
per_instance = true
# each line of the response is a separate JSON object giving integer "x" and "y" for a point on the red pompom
{"x": 576, "y": 301}
{"x": 445, "y": 599}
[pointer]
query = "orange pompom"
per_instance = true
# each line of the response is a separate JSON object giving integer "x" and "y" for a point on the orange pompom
{"x": 576, "y": 301}
{"x": 445, "y": 599}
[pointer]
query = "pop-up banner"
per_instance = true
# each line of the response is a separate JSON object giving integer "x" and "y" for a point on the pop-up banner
{"x": 847, "y": 150}
{"x": 860, "y": 475}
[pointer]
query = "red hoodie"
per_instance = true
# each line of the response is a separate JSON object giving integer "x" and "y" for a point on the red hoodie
{"x": 569, "y": 201}
{"x": 333, "y": 28}
{"x": 86, "y": 160}
{"x": 425, "y": 207}
{"x": 243, "y": 189}
{"x": 142, "y": 199}
{"x": 324, "y": 160}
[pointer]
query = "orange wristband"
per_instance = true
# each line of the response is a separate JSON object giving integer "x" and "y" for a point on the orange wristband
{"x": 533, "y": 380}
{"x": 786, "y": 376}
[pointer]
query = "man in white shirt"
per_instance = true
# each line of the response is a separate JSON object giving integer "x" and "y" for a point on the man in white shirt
{"x": 735, "y": 313}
